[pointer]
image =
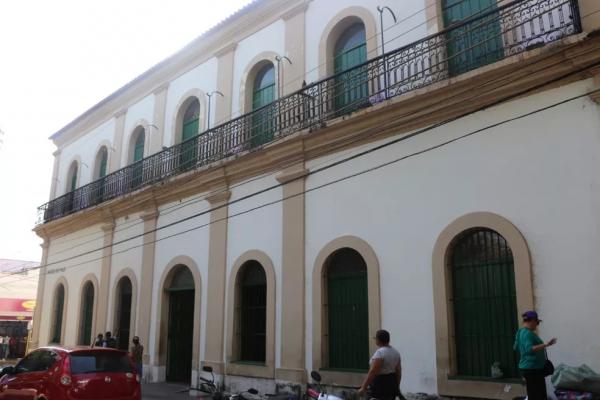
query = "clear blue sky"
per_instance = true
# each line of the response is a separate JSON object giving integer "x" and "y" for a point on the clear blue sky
{"x": 59, "y": 58}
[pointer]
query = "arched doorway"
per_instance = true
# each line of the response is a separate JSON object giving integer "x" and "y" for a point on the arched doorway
{"x": 180, "y": 332}
{"x": 87, "y": 314}
{"x": 347, "y": 310}
{"x": 123, "y": 313}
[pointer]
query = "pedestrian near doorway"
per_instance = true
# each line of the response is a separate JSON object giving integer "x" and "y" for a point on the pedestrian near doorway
{"x": 99, "y": 341}
{"x": 137, "y": 352}
{"x": 385, "y": 372}
{"x": 109, "y": 341}
{"x": 532, "y": 353}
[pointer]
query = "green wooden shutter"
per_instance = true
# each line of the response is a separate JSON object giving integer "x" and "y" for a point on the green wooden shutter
{"x": 190, "y": 129}
{"x": 124, "y": 313}
{"x": 476, "y": 44}
{"x": 138, "y": 152}
{"x": 87, "y": 313}
{"x": 59, "y": 303}
{"x": 485, "y": 306}
{"x": 103, "y": 162}
{"x": 351, "y": 90}
{"x": 74, "y": 179}
{"x": 138, "y": 155}
{"x": 253, "y": 313}
{"x": 347, "y": 312}
{"x": 263, "y": 123}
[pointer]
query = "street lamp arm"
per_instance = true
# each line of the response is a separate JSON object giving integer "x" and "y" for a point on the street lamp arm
{"x": 382, "y": 9}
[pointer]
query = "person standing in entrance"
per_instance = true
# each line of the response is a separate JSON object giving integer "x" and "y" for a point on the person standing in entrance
{"x": 532, "y": 353}
{"x": 385, "y": 372}
{"x": 137, "y": 351}
{"x": 109, "y": 341}
{"x": 99, "y": 341}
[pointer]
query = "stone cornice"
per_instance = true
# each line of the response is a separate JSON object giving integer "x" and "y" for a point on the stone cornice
{"x": 218, "y": 197}
{"x": 247, "y": 21}
{"x": 423, "y": 107}
{"x": 225, "y": 49}
{"x": 300, "y": 8}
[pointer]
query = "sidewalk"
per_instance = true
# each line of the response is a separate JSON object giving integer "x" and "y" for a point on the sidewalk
{"x": 170, "y": 391}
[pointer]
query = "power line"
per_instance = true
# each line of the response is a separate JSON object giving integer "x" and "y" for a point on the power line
{"x": 360, "y": 154}
{"x": 203, "y": 197}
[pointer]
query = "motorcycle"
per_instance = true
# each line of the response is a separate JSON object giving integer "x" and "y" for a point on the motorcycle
{"x": 317, "y": 391}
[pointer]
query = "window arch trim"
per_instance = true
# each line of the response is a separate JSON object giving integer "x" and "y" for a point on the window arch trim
{"x": 249, "y": 75}
{"x": 91, "y": 278}
{"x": 319, "y": 349}
{"x": 179, "y": 112}
{"x": 61, "y": 281}
{"x": 442, "y": 289}
{"x": 336, "y": 27}
{"x": 259, "y": 371}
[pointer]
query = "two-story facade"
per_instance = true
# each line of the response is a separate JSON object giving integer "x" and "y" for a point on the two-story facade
{"x": 329, "y": 190}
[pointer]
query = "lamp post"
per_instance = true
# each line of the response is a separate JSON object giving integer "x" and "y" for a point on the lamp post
{"x": 385, "y": 73}
{"x": 210, "y": 95}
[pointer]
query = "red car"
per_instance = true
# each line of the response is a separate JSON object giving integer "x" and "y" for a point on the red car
{"x": 57, "y": 373}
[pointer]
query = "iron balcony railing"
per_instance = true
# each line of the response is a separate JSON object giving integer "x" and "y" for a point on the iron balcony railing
{"x": 486, "y": 37}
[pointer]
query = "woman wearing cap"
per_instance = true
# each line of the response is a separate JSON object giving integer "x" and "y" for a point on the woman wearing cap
{"x": 383, "y": 380}
{"x": 532, "y": 356}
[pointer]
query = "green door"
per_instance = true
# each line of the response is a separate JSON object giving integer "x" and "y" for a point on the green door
{"x": 138, "y": 155}
{"x": 485, "y": 306}
{"x": 59, "y": 302}
{"x": 263, "y": 121}
{"x": 190, "y": 129}
{"x": 87, "y": 314}
{"x": 124, "y": 313}
{"x": 180, "y": 336}
{"x": 347, "y": 310}
{"x": 476, "y": 44}
{"x": 253, "y": 313}
{"x": 351, "y": 90}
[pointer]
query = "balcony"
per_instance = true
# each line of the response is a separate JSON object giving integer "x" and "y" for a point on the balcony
{"x": 480, "y": 40}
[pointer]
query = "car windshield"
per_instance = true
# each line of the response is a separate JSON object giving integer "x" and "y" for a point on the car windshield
{"x": 90, "y": 362}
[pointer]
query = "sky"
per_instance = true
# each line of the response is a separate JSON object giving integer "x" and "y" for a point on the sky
{"x": 57, "y": 59}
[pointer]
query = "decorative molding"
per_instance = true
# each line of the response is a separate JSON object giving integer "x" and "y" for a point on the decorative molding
{"x": 149, "y": 215}
{"x": 226, "y": 49}
{"x": 218, "y": 197}
{"x": 288, "y": 176}
{"x": 295, "y": 11}
{"x": 161, "y": 88}
{"x": 596, "y": 95}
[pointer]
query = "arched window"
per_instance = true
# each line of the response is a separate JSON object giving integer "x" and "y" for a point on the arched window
{"x": 138, "y": 145}
{"x": 123, "y": 312}
{"x": 484, "y": 302}
{"x": 347, "y": 310}
{"x": 190, "y": 127}
{"x": 191, "y": 120}
{"x": 72, "y": 177}
{"x": 57, "y": 314}
{"x": 263, "y": 93}
{"x": 87, "y": 314}
{"x": 101, "y": 163}
{"x": 137, "y": 154}
{"x": 475, "y": 44}
{"x": 351, "y": 90}
{"x": 251, "y": 312}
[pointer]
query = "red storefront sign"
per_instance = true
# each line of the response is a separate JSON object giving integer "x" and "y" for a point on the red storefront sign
{"x": 16, "y": 309}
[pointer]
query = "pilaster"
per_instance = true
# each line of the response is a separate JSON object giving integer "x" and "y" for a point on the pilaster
{"x": 39, "y": 305}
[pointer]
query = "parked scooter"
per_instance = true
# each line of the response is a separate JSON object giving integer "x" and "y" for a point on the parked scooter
{"x": 316, "y": 391}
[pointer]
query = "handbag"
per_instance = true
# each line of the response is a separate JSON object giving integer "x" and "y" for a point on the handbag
{"x": 548, "y": 366}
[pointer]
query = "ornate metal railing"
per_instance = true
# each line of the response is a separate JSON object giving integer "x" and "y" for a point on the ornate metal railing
{"x": 480, "y": 40}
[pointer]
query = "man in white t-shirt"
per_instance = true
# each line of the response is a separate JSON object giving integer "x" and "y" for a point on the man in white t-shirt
{"x": 385, "y": 373}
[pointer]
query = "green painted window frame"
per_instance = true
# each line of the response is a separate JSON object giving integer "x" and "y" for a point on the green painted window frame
{"x": 252, "y": 314}
{"x": 263, "y": 94}
{"x": 57, "y": 317}
{"x": 465, "y": 50}
{"x": 351, "y": 90}
{"x": 190, "y": 128}
{"x": 87, "y": 314}
{"x": 484, "y": 302}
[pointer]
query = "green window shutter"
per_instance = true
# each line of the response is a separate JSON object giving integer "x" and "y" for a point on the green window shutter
{"x": 253, "y": 313}
{"x": 59, "y": 302}
{"x": 484, "y": 302}
{"x": 263, "y": 121}
{"x": 347, "y": 311}
{"x": 74, "y": 179}
{"x": 351, "y": 89}
{"x": 87, "y": 313}
{"x": 476, "y": 44}
{"x": 103, "y": 162}
{"x": 138, "y": 151}
{"x": 124, "y": 313}
{"x": 190, "y": 129}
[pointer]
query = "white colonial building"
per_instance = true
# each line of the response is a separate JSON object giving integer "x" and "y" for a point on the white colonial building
{"x": 436, "y": 191}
